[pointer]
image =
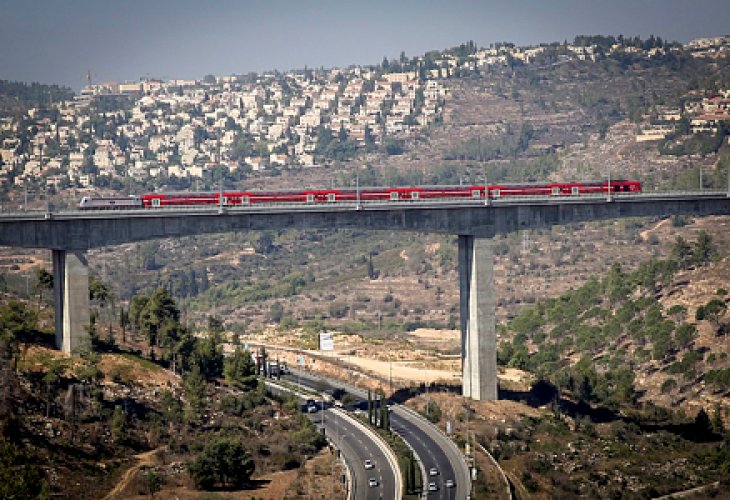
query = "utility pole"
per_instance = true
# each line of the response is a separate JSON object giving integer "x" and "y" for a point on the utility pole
{"x": 700, "y": 177}
{"x": 390, "y": 369}
{"x": 486, "y": 188}
{"x": 357, "y": 191}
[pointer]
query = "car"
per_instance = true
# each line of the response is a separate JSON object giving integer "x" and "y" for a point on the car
{"x": 432, "y": 487}
{"x": 450, "y": 483}
{"x": 372, "y": 482}
{"x": 312, "y": 409}
{"x": 433, "y": 472}
{"x": 369, "y": 464}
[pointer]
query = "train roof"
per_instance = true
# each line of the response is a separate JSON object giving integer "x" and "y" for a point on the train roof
{"x": 363, "y": 188}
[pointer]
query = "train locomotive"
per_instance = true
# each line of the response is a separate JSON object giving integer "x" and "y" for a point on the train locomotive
{"x": 367, "y": 194}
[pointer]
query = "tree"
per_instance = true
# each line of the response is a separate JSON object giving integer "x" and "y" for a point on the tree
{"x": 136, "y": 306}
{"x": 171, "y": 407}
{"x": 19, "y": 477}
{"x": 681, "y": 252}
{"x": 264, "y": 244}
{"x": 159, "y": 315}
{"x": 713, "y": 311}
{"x": 208, "y": 357}
{"x": 52, "y": 380}
{"x": 196, "y": 395}
{"x": 119, "y": 424}
{"x": 44, "y": 281}
{"x": 223, "y": 462}
{"x": 276, "y": 312}
{"x": 240, "y": 370}
{"x": 685, "y": 334}
{"x": 102, "y": 295}
{"x": 704, "y": 250}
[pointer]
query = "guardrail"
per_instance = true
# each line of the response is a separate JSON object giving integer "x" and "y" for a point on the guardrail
{"x": 283, "y": 388}
{"x": 465, "y": 480}
{"x": 387, "y": 451}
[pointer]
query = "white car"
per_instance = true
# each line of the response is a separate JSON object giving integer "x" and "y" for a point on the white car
{"x": 369, "y": 464}
{"x": 450, "y": 483}
{"x": 432, "y": 487}
{"x": 372, "y": 482}
{"x": 433, "y": 472}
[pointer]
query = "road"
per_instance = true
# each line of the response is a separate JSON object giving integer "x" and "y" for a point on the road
{"x": 357, "y": 445}
{"x": 432, "y": 449}
{"x": 433, "y": 452}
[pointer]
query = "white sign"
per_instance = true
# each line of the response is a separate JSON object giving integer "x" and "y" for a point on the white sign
{"x": 326, "y": 342}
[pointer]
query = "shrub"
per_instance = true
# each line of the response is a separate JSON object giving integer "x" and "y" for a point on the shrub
{"x": 668, "y": 386}
{"x": 224, "y": 462}
{"x": 432, "y": 411}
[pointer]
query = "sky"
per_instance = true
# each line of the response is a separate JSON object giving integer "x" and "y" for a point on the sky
{"x": 55, "y": 41}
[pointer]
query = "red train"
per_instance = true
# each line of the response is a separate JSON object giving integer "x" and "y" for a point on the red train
{"x": 367, "y": 194}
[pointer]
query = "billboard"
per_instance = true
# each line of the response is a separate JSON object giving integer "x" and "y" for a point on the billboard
{"x": 326, "y": 342}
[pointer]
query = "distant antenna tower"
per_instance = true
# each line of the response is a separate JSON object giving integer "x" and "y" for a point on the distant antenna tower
{"x": 88, "y": 77}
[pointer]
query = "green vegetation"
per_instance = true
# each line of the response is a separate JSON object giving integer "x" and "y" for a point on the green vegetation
{"x": 30, "y": 95}
{"x": 597, "y": 314}
{"x": 224, "y": 462}
{"x": 20, "y": 477}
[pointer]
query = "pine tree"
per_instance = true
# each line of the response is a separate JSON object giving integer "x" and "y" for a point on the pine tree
{"x": 119, "y": 424}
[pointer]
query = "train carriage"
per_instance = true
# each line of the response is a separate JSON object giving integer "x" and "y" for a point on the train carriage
{"x": 368, "y": 194}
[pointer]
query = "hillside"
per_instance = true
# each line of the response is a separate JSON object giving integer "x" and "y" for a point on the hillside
{"x": 115, "y": 424}
{"x": 18, "y": 97}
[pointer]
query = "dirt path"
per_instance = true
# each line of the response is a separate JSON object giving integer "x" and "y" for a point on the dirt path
{"x": 646, "y": 232}
{"x": 146, "y": 458}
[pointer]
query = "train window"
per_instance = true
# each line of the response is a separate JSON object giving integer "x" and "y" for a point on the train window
{"x": 556, "y": 191}
{"x": 394, "y": 195}
{"x": 414, "y": 195}
{"x": 497, "y": 193}
{"x": 330, "y": 196}
{"x": 310, "y": 198}
{"x": 574, "y": 190}
{"x": 156, "y": 202}
{"x": 244, "y": 200}
{"x": 475, "y": 193}
{"x": 225, "y": 200}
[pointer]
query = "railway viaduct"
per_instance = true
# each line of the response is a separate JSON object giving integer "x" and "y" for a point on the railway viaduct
{"x": 70, "y": 234}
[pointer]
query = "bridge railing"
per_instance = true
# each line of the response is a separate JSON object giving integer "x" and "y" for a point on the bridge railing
{"x": 353, "y": 205}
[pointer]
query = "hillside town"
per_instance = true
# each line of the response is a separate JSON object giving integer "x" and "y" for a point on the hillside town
{"x": 169, "y": 132}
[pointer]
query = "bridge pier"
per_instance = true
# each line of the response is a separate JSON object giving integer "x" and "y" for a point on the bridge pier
{"x": 71, "y": 292}
{"x": 478, "y": 332}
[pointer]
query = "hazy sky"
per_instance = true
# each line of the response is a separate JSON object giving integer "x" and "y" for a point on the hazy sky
{"x": 57, "y": 41}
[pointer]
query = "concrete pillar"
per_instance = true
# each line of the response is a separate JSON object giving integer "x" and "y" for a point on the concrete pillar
{"x": 478, "y": 333}
{"x": 71, "y": 291}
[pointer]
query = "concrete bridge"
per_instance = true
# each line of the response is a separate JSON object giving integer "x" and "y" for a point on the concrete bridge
{"x": 70, "y": 234}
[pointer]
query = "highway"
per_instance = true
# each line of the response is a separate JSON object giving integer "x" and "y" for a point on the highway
{"x": 432, "y": 449}
{"x": 356, "y": 444}
{"x": 357, "y": 447}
